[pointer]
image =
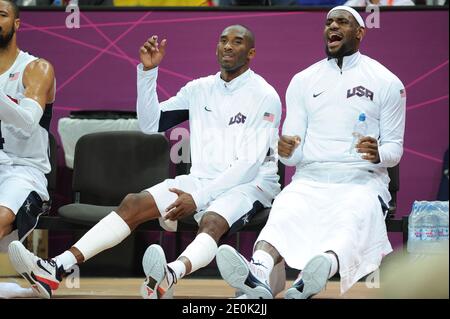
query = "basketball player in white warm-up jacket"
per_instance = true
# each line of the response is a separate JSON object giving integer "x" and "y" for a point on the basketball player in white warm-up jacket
{"x": 330, "y": 218}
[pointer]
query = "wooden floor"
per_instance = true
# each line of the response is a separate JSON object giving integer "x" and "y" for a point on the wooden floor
{"x": 128, "y": 288}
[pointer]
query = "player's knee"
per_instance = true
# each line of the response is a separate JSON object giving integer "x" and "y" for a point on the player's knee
{"x": 6, "y": 221}
{"x": 131, "y": 207}
{"x": 214, "y": 225}
{"x": 129, "y": 204}
{"x": 137, "y": 208}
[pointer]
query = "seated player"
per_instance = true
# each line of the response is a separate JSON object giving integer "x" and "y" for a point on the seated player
{"x": 234, "y": 117}
{"x": 330, "y": 218}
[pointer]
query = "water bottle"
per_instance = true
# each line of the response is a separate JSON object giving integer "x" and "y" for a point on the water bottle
{"x": 428, "y": 228}
{"x": 429, "y": 223}
{"x": 417, "y": 228}
{"x": 414, "y": 229}
{"x": 359, "y": 131}
{"x": 442, "y": 220}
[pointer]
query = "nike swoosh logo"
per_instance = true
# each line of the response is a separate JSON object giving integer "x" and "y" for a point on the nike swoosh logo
{"x": 257, "y": 263}
{"x": 316, "y": 95}
{"x": 208, "y": 110}
{"x": 42, "y": 267}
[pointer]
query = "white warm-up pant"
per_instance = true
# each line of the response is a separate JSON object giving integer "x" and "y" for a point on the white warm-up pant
{"x": 309, "y": 218}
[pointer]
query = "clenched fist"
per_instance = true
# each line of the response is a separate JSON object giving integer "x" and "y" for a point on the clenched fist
{"x": 287, "y": 145}
{"x": 368, "y": 146}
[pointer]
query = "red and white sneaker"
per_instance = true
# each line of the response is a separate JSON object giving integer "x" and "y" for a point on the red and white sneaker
{"x": 159, "y": 279}
{"x": 43, "y": 275}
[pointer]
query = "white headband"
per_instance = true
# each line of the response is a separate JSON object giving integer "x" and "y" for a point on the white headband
{"x": 353, "y": 12}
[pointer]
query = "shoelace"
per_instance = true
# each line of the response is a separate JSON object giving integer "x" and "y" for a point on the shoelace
{"x": 47, "y": 264}
{"x": 258, "y": 273}
{"x": 60, "y": 272}
{"x": 257, "y": 263}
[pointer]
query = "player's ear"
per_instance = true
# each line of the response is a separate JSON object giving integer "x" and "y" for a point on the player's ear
{"x": 16, "y": 24}
{"x": 360, "y": 33}
{"x": 251, "y": 53}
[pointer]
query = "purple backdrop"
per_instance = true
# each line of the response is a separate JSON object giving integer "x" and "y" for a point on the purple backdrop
{"x": 95, "y": 65}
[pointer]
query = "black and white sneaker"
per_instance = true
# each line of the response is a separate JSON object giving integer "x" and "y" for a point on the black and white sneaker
{"x": 235, "y": 270}
{"x": 313, "y": 280}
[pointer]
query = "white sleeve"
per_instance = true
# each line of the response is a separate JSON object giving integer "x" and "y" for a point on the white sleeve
{"x": 392, "y": 125}
{"x": 24, "y": 116}
{"x": 257, "y": 140}
{"x": 296, "y": 121}
{"x": 149, "y": 110}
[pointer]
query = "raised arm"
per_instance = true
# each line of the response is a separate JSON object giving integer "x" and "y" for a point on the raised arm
{"x": 152, "y": 115}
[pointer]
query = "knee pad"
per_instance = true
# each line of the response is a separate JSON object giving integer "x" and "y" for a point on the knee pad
{"x": 28, "y": 215}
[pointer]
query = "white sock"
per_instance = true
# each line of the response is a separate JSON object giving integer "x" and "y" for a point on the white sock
{"x": 201, "y": 251}
{"x": 107, "y": 233}
{"x": 334, "y": 264}
{"x": 261, "y": 265}
{"x": 66, "y": 259}
{"x": 179, "y": 268}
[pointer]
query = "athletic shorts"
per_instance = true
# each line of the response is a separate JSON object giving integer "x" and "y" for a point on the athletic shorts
{"x": 23, "y": 190}
{"x": 237, "y": 205}
{"x": 16, "y": 184}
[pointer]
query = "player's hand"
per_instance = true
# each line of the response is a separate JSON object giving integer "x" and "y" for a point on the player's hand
{"x": 182, "y": 207}
{"x": 369, "y": 147}
{"x": 287, "y": 145}
{"x": 152, "y": 52}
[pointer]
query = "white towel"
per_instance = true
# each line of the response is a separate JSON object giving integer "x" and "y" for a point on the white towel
{"x": 13, "y": 290}
{"x": 309, "y": 218}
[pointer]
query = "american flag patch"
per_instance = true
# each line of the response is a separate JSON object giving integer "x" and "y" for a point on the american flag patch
{"x": 269, "y": 117}
{"x": 14, "y": 76}
{"x": 402, "y": 93}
